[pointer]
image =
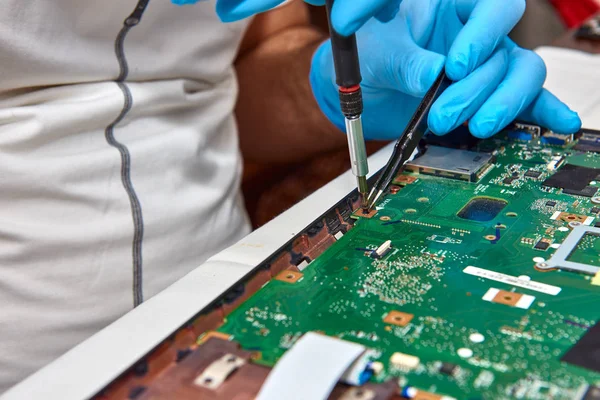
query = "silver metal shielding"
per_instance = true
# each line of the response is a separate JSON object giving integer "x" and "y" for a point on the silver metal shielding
{"x": 452, "y": 163}
{"x": 358, "y": 149}
{"x": 560, "y": 259}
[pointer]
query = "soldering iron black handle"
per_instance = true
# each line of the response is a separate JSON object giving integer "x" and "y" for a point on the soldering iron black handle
{"x": 345, "y": 55}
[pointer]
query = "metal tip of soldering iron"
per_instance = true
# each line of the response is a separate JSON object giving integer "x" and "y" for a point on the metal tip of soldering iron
{"x": 375, "y": 199}
{"x": 364, "y": 203}
{"x": 363, "y": 187}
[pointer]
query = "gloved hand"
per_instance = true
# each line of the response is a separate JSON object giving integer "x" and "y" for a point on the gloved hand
{"x": 347, "y": 15}
{"x": 495, "y": 80}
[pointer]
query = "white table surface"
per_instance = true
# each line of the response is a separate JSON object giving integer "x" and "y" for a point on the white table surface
{"x": 93, "y": 364}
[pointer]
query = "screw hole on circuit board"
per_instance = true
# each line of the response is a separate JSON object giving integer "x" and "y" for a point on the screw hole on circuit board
{"x": 385, "y": 218}
{"x": 574, "y": 224}
{"x": 394, "y": 189}
{"x": 423, "y": 200}
{"x": 544, "y": 267}
{"x": 289, "y": 276}
{"x": 511, "y": 214}
{"x": 207, "y": 380}
{"x": 410, "y": 211}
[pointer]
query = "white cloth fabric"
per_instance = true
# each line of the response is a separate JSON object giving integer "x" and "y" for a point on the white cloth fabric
{"x": 66, "y": 220}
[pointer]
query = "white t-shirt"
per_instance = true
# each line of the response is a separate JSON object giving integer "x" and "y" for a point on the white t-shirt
{"x": 109, "y": 191}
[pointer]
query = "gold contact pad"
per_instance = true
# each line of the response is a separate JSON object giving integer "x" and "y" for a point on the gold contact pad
{"x": 289, "y": 276}
{"x": 398, "y": 318}
{"x": 404, "y": 180}
{"x": 568, "y": 217}
{"x": 508, "y": 298}
{"x": 361, "y": 214}
{"x": 214, "y": 334}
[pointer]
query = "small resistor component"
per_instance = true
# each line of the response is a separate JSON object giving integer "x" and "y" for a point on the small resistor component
{"x": 382, "y": 250}
{"x": 404, "y": 361}
{"x": 376, "y": 367}
{"x": 555, "y": 162}
{"x": 450, "y": 369}
{"x": 526, "y": 240}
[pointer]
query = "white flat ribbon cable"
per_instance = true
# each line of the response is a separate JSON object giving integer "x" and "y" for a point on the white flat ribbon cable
{"x": 312, "y": 368}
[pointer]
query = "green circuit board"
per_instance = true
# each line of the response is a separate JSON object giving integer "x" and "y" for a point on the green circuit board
{"x": 456, "y": 249}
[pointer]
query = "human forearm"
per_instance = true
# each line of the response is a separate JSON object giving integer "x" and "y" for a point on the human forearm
{"x": 279, "y": 120}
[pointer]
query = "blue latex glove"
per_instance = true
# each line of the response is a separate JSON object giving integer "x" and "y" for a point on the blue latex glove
{"x": 347, "y": 15}
{"x": 495, "y": 80}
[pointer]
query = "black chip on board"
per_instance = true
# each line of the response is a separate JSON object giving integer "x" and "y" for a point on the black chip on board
{"x": 573, "y": 178}
{"x": 541, "y": 245}
{"x": 588, "y": 191}
{"x": 586, "y": 352}
{"x": 448, "y": 368}
{"x": 589, "y": 140}
{"x": 550, "y": 203}
{"x": 587, "y": 145}
{"x": 593, "y": 393}
{"x": 595, "y": 210}
{"x": 508, "y": 181}
{"x": 533, "y": 174}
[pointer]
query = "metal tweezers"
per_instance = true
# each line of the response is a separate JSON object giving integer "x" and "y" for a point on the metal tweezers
{"x": 408, "y": 142}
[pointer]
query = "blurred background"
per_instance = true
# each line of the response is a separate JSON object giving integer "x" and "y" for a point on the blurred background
{"x": 540, "y": 26}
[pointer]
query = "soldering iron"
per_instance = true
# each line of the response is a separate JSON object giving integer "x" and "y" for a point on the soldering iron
{"x": 348, "y": 79}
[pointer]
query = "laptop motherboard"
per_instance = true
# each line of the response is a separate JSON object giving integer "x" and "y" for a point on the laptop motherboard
{"x": 476, "y": 277}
